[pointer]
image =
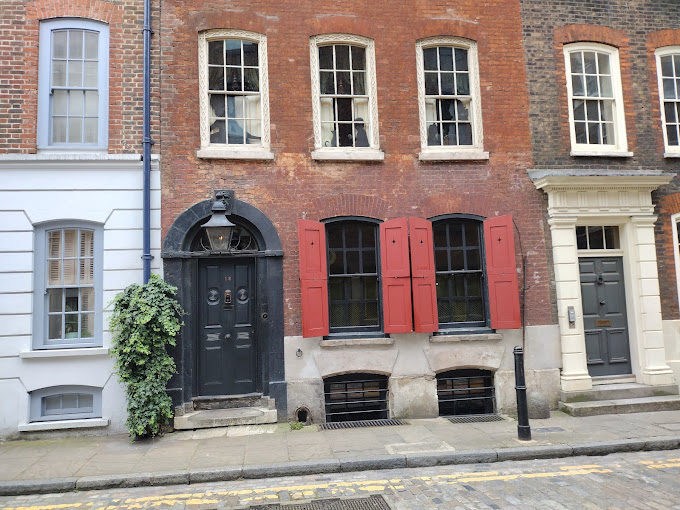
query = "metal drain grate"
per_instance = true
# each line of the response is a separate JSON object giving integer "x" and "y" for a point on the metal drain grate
{"x": 358, "y": 424}
{"x": 370, "y": 503}
{"x": 474, "y": 418}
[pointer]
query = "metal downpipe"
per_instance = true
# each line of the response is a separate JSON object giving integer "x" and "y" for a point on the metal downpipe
{"x": 146, "y": 158}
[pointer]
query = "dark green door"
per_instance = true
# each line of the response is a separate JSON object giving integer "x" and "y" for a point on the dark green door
{"x": 227, "y": 357}
{"x": 604, "y": 316}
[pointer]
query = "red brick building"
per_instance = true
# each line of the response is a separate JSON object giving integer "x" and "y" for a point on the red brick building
{"x": 350, "y": 116}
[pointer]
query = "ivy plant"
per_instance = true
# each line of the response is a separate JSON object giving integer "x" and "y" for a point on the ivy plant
{"x": 145, "y": 320}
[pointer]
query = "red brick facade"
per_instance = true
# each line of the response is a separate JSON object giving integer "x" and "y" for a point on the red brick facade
{"x": 294, "y": 186}
{"x": 19, "y": 39}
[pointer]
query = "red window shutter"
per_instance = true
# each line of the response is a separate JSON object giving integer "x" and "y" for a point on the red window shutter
{"x": 396, "y": 276}
{"x": 425, "y": 317}
{"x": 313, "y": 278}
{"x": 501, "y": 273}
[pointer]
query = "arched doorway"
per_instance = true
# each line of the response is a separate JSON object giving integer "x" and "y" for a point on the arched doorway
{"x": 231, "y": 343}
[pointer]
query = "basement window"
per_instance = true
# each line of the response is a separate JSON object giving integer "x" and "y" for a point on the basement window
{"x": 353, "y": 397}
{"x": 466, "y": 392}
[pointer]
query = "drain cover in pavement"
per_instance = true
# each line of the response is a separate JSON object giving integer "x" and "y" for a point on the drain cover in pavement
{"x": 474, "y": 418}
{"x": 369, "y": 503}
{"x": 549, "y": 429}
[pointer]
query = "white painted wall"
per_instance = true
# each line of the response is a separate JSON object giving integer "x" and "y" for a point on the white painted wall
{"x": 37, "y": 188}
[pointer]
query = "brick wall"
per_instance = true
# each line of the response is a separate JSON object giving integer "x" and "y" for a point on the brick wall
{"x": 294, "y": 186}
{"x": 637, "y": 28}
{"x": 19, "y": 38}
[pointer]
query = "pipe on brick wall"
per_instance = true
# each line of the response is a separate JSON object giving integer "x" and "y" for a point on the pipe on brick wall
{"x": 146, "y": 142}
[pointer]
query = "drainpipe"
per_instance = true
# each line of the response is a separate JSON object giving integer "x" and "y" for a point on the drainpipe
{"x": 146, "y": 226}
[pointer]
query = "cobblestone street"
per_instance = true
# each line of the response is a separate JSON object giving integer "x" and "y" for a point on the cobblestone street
{"x": 628, "y": 480}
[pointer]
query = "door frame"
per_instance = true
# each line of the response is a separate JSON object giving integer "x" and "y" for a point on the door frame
{"x": 180, "y": 267}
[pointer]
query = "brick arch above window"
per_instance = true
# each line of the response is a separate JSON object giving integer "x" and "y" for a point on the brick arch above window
{"x": 348, "y": 204}
{"x": 97, "y": 10}
{"x": 458, "y": 28}
{"x": 662, "y": 38}
{"x": 591, "y": 33}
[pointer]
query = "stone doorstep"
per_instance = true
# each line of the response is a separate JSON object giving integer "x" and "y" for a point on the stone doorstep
{"x": 232, "y": 401}
{"x": 618, "y": 391}
{"x": 621, "y": 406}
{"x": 225, "y": 418}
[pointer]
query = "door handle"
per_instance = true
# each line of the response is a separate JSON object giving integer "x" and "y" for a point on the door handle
{"x": 600, "y": 279}
{"x": 602, "y": 303}
{"x": 227, "y": 336}
{"x": 227, "y": 297}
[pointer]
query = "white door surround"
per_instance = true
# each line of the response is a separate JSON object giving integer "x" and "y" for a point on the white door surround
{"x": 622, "y": 198}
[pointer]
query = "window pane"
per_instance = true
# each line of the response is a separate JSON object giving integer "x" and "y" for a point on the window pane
{"x": 328, "y": 138}
{"x": 235, "y": 107}
{"x": 666, "y": 65}
{"x": 71, "y": 325}
{"x": 75, "y": 73}
{"x": 327, "y": 82}
{"x": 603, "y": 63}
{"x": 86, "y": 271}
{"x": 233, "y": 52}
{"x": 672, "y": 135}
{"x": 69, "y": 401}
{"x": 234, "y": 79}
{"x": 447, "y": 80}
{"x": 326, "y": 57}
{"x": 250, "y": 54}
{"x": 471, "y": 235}
{"x": 90, "y": 79}
{"x": 352, "y": 259}
{"x": 359, "y": 83}
{"x": 75, "y": 130}
{"x": 446, "y": 58}
{"x": 235, "y": 134}
{"x": 71, "y": 300}
{"x": 87, "y": 299}
{"x": 368, "y": 261}
{"x": 596, "y": 238}
{"x": 59, "y": 102}
{"x": 580, "y": 132}
{"x": 430, "y": 59}
{"x": 344, "y": 84}
{"x": 342, "y": 57}
{"x": 91, "y": 45}
{"x": 431, "y": 84}
{"x": 54, "y": 244}
{"x": 473, "y": 260}
{"x": 54, "y": 300}
{"x": 358, "y": 58}
{"x": 75, "y": 104}
{"x": 54, "y": 272}
{"x": 462, "y": 84}
{"x": 608, "y": 133}
{"x": 461, "y": 59}
{"x": 75, "y": 44}
{"x": 91, "y": 103}
{"x": 576, "y": 62}
{"x": 253, "y": 132}
{"x": 462, "y": 109}
{"x": 577, "y": 86}
{"x": 52, "y": 403}
{"x": 589, "y": 61}
{"x": 668, "y": 89}
{"x": 606, "y": 86}
{"x": 611, "y": 236}
{"x": 593, "y": 133}
{"x": 345, "y": 138}
{"x": 251, "y": 80}
{"x": 85, "y": 401}
{"x": 607, "y": 110}
{"x": 592, "y": 109}
{"x": 218, "y": 132}
{"x": 59, "y": 44}
{"x": 441, "y": 260}
{"x": 449, "y": 132}
{"x": 457, "y": 260}
{"x": 344, "y": 109}
{"x": 592, "y": 89}
{"x": 70, "y": 243}
{"x": 581, "y": 238}
{"x": 669, "y": 109}
{"x": 216, "y": 52}
{"x": 87, "y": 321}
{"x": 58, "y": 74}
{"x": 54, "y": 327}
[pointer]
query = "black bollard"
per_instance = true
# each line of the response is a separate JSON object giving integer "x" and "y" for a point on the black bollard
{"x": 523, "y": 428}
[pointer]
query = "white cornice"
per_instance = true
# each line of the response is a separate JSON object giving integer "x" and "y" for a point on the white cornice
{"x": 593, "y": 180}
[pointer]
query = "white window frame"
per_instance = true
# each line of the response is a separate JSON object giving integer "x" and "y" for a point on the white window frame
{"x": 47, "y": 27}
{"x": 671, "y": 151}
{"x": 371, "y": 153}
{"x": 675, "y": 228}
{"x": 36, "y": 397}
{"x": 41, "y": 307}
{"x": 261, "y": 151}
{"x": 452, "y": 152}
{"x": 620, "y": 148}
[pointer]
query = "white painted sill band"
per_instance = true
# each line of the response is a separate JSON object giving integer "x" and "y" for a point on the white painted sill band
{"x": 89, "y": 423}
{"x": 602, "y": 154}
{"x": 348, "y": 155}
{"x": 252, "y": 154}
{"x": 65, "y": 353}
{"x": 438, "y": 155}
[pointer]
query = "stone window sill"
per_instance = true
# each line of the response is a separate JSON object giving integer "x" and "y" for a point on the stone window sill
{"x": 601, "y": 154}
{"x": 259, "y": 154}
{"x": 355, "y": 342}
{"x": 445, "y": 339}
{"x": 673, "y": 154}
{"x": 453, "y": 155}
{"x": 88, "y": 423}
{"x": 348, "y": 155}
{"x": 65, "y": 353}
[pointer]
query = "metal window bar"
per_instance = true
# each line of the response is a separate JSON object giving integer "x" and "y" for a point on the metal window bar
{"x": 467, "y": 395}
{"x": 349, "y": 399}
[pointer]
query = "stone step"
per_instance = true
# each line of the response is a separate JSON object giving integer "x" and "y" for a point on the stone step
{"x": 225, "y": 418}
{"x": 621, "y": 406}
{"x": 232, "y": 401}
{"x": 618, "y": 391}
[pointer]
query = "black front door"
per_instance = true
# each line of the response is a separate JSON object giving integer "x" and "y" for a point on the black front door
{"x": 604, "y": 316}
{"x": 227, "y": 339}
